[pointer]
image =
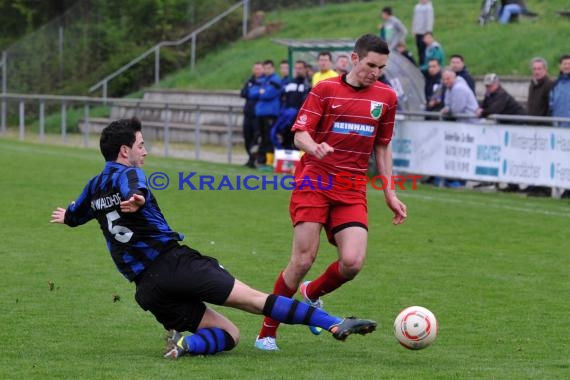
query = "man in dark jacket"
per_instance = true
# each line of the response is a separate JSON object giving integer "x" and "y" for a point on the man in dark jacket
{"x": 497, "y": 100}
{"x": 250, "y": 91}
{"x": 433, "y": 87}
{"x": 539, "y": 88}
{"x": 457, "y": 63}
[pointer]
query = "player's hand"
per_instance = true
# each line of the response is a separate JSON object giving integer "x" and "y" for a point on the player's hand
{"x": 133, "y": 203}
{"x": 58, "y": 215}
{"x": 400, "y": 210}
{"x": 321, "y": 150}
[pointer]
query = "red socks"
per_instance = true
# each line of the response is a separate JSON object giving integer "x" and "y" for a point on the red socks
{"x": 270, "y": 325}
{"x": 326, "y": 283}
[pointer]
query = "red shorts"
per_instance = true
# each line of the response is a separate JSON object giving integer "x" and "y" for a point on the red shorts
{"x": 334, "y": 210}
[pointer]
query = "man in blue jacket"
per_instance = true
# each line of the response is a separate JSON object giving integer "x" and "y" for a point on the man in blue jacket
{"x": 560, "y": 93}
{"x": 267, "y": 109}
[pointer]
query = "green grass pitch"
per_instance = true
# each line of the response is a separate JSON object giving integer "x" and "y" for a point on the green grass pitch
{"x": 492, "y": 267}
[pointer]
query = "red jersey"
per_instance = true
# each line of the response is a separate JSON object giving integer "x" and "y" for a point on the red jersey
{"x": 351, "y": 120}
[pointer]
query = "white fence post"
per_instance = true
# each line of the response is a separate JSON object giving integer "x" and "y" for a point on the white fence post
{"x": 63, "y": 121}
{"x": 4, "y": 89}
{"x": 245, "y": 17}
{"x": 22, "y": 108}
{"x": 42, "y": 121}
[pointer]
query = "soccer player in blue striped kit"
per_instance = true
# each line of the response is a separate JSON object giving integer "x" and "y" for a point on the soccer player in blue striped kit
{"x": 173, "y": 281}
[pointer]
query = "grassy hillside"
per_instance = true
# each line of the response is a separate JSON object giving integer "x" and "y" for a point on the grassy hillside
{"x": 505, "y": 49}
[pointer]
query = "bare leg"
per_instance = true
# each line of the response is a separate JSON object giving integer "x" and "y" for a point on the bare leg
{"x": 306, "y": 241}
{"x": 352, "y": 243}
{"x": 212, "y": 318}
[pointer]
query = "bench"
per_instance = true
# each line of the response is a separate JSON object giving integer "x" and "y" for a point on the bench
{"x": 178, "y": 132}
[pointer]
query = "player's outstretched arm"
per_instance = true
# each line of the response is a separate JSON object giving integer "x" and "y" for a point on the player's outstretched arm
{"x": 58, "y": 215}
{"x": 133, "y": 204}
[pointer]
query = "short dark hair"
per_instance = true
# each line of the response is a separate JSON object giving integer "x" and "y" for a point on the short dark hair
{"x": 368, "y": 43}
{"x": 457, "y": 56}
{"x": 301, "y": 62}
{"x": 564, "y": 57}
{"x": 327, "y": 53}
{"x": 268, "y": 62}
{"x": 116, "y": 134}
{"x": 284, "y": 61}
{"x": 387, "y": 10}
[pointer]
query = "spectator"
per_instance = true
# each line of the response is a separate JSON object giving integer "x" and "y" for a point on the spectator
{"x": 422, "y": 22}
{"x": 433, "y": 87}
{"x": 560, "y": 93}
{"x": 458, "y": 97}
{"x": 392, "y": 30}
{"x": 457, "y": 63}
{"x": 284, "y": 72}
{"x": 497, "y": 100}
{"x": 433, "y": 51}
{"x": 403, "y": 50}
{"x": 250, "y": 91}
{"x": 294, "y": 95}
{"x": 539, "y": 88}
{"x": 267, "y": 110}
{"x": 342, "y": 64}
{"x": 511, "y": 9}
{"x": 325, "y": 68}
{"x": 537, "y": 105}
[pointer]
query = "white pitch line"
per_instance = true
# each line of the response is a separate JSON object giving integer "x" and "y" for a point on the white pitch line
{"x": 488, "y": 203}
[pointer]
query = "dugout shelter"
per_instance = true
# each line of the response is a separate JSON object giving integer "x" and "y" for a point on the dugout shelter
{"x": 404, "y": 77}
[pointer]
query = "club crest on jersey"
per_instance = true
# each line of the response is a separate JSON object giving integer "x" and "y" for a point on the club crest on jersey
{"x": 376, "y": 110}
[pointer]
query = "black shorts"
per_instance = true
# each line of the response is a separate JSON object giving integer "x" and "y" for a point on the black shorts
{"x": 175, "y": 287}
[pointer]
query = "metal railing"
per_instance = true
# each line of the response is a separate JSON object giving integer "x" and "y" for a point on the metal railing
{"x": 103, "y": 83}
{"x": 546, "y": 121}
{"x": 25, "y": 103}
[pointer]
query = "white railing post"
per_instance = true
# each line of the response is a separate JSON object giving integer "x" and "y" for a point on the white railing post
{"x": 166, "y": 131}
{"x": 157, "y": 65}
{"x": 197, "y": 134}
{"x": 193, "y": 52}
{"x": 230, "y": 136}
{"x": 63, "y": 121}
{"x": 245, "y": 17}
{"x": 22, "y": 119}
{"x": 86, "y": 125}
{"x": 4, "y": 90}
{"x": 42, "y": 120}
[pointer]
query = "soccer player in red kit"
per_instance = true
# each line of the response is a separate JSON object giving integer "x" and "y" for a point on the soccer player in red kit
{"x": 341, "y": 122}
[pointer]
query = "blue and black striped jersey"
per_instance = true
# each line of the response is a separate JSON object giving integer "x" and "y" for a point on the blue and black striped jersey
{"x": 134, "y": 239}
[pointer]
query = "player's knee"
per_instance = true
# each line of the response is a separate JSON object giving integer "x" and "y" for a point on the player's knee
{"x": 349, "y": 268}
{"x": 232, "y": 338}
{"x": 303, "y": 261}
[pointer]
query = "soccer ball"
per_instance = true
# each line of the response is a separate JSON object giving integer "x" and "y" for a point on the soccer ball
{"x": 415, "y": 327}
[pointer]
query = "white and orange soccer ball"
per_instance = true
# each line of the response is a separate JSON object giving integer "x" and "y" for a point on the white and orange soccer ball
{"x": 415, "y": 327}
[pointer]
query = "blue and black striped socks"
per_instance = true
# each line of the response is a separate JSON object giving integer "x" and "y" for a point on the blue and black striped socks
{"x": 293, "y": 312}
